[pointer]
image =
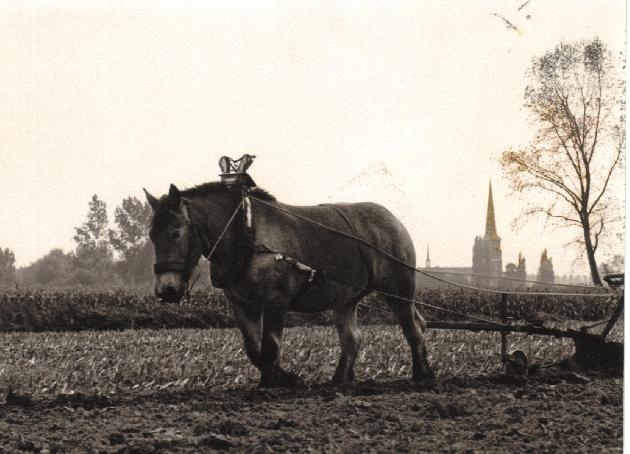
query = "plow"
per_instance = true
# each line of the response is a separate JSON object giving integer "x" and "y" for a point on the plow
{"x": 593, "y": 351}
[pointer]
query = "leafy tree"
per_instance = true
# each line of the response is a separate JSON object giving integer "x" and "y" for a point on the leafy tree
{"x": 54, "y": 269}
{"x": 131, "y": 241}
{"x": 576, "y": 98}
{"x": 94, "y": 257}
{"x": 7, "y": 268}
{"x": 132, "y": 219}
{"x": 94, "y": 230}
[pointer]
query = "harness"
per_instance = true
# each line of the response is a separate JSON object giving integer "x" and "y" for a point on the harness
{"x": 313, "y": 274}
{"x": 236, "y": 178}
{"x": 239, "y": 228}
{"x": 240, "y": 224}
{"x": 195, "y": 247}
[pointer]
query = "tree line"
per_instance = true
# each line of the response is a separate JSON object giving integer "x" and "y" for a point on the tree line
{"x": 104, "y": 256}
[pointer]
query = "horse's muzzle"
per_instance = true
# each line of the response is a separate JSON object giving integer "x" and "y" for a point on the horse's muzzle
{"x": 170, "y": 287}
{"x": 170, "y": 294}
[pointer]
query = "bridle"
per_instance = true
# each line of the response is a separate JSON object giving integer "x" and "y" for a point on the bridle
{"x": 186, "y": 265}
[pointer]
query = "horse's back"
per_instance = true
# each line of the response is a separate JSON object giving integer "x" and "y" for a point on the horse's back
{"x": 321, "y": 245}
{"x": 393, "y": 262}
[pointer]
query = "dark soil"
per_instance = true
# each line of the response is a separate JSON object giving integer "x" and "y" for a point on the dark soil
{"x": 554, "y": 411}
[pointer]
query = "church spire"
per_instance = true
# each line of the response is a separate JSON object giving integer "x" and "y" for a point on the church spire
{"x": 491, "y": 226}
{"x": 428, "y": 262}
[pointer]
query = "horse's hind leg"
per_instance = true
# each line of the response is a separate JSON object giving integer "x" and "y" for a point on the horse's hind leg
{"x": 406, "y": 314}
{"x": 349, "y": 339}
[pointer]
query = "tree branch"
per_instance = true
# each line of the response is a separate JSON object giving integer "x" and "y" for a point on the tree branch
{"x": 597, "y": 234}
{"x": 549, "y": 176}
{"x": 597, "y": 117}
{"x": 607, "y": 180}
{"x": 567, "y": 219}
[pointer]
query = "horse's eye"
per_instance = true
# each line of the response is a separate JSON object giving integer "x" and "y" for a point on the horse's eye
{"x": 175, "y": 235}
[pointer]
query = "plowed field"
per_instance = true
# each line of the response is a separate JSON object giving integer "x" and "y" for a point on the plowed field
{"x": 192, "y": 391}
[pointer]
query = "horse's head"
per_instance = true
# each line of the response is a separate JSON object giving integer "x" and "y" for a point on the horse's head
{"x": 176, "y": 250}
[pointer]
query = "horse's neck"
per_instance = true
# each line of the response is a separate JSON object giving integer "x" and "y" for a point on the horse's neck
{"x": 210, "y": 214}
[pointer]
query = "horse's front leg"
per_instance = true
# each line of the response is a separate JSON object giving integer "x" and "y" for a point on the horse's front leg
{"x": 271, "y": 375}
{"x": 248, "y": 322}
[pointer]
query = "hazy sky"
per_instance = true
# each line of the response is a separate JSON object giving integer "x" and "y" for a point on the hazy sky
{"x": 105, "y": 98}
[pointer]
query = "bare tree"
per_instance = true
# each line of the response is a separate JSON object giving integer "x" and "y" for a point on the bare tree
{"x": 577, "y": 100}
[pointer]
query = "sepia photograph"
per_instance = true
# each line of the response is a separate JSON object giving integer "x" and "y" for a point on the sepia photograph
{"x": 298, "y": 226}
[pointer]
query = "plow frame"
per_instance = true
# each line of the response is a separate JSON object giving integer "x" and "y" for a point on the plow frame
{"x": 592, "y": 351}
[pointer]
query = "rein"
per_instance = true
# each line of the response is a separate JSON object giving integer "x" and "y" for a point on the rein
{"x": 225, "y": 229}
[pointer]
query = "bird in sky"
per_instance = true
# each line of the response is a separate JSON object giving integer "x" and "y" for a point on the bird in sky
{"x": 509, "y": 25}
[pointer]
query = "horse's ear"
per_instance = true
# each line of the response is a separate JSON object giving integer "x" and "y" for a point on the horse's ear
{"x": 152, "y": 200}
{"x": 173, "y": 195}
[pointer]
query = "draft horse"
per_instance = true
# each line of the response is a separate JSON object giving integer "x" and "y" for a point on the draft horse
{"x": 270, "y": 258}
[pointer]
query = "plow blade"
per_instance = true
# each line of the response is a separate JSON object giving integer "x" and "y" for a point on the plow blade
{"x": 592, "y": 351}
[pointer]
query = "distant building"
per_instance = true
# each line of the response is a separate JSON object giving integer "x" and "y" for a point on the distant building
{"x": 461, "y": 275}
{"x": 487, "y": 254}
{"x": 545, "y": 272}
{"x": 513, "y": 271}
{"x": 487, "y": 263}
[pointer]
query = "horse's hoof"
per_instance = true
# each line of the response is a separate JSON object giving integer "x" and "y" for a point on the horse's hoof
{"x": 343, "y": 379}
{"x": 289, "y": 380}
{"x": 424, "y": 376}
{"x": 281, "y": 380}
{"x": 426, "y": 382}
{"x": 262, "y": 384}
{"x": 336, "y": 380}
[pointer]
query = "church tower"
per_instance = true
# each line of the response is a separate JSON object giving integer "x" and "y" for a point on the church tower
{"x": 545, "y": 272}
{"x": 428, "y": 261}
{"x": 491, "y": 225}
{"x": 487, "y": 254}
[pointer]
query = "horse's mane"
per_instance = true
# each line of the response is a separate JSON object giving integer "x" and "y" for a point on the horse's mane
{"x": 164, "y": 215}
{"x": 216, "y": 186}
